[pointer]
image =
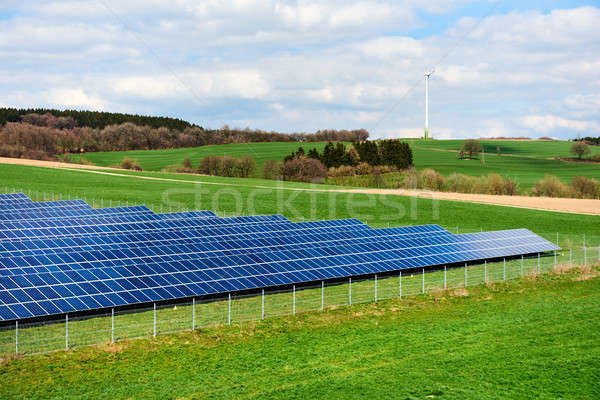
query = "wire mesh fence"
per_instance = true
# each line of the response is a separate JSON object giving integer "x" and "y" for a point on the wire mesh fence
{"x": 70, "y": 332}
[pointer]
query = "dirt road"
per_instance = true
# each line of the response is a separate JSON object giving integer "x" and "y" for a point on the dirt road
{"x": 578, "y": 206}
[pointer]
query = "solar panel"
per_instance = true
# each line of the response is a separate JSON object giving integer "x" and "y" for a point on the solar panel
{"x": 61, "y": 257}
{"x": 30, "y": 295}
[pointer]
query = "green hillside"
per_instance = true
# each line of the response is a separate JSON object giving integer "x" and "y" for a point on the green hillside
{"x": 527, "y": 339}
{"x": 525, "y": 161}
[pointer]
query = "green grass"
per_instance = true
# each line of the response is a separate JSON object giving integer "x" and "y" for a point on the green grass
{"x": 252, "y": 197}
{"x": 532, "y": 338}
{"x": 525, "y": 161}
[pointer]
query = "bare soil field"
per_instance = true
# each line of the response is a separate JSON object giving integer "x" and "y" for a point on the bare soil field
{"x": 577, "y": 206}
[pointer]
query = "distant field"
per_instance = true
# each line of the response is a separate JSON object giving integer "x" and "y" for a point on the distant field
{"x": 534, "y": 338}
{"x": 259, "y": 196}
{"x": 530, "y": 164}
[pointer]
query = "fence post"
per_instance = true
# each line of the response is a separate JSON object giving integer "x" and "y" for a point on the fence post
{"x": 293, "y": 299}
{"x": 229, "y": 309}
{"x": 504, "y": 269}
{"x": 154, "y": 333}
{"x": 193, "y": 313}
{"x": 423, "y": 274}
{"x": 67, "y": 332}
{"x": 400, "y": 283}
{"x": 262, "y": 305}
{"x": 554, "y": 258}
{"x": 112, "y": 325}
{"x": 322, "y": 295}
{"x": 539, "y": 264}
{"x": 16, "y": 337}
{"x": 375, "y": 288}
{"x": 570, "y": 257}
{"x": 584, "y": 255}
{"x": 484, "y": 270}
{"x": 350, "y": 291}
{"x": 445, "y": 286}
{"x": 466, "y": 275}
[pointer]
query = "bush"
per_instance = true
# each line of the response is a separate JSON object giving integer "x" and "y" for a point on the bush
{"x": 126, "y": 163}
{"x": 584, "y": 187}
{"x": 595, "y": 157}
{"x": 187, "y": 164}
{"x": 511, "y": 188}
{"x": 431, "y": 180}
{"x": 410, "y": 179}
{"x": 550, "y": 186}
{"x": 304, "y": 169}
{"x": 246, "y": 167}
{"x": 210, "y": 165}
{"x": 343, "y": 170}
{"x": 460, "y": 183}
{"x": 363, "y": 168}
{"x": 272, "y": 169}
{"x": 495, "y": 184}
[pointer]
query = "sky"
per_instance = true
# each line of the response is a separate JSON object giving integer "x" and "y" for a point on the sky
{"x": 501, "y": 68}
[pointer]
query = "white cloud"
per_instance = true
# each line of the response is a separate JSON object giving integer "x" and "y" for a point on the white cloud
{"x": 550, "y": 123}
{"x": 74, "y": 98}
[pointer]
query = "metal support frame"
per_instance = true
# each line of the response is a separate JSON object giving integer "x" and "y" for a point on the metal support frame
{"x": 554, "y": 258}
{"x": 375, "y": 287}
{"x": 466, "y": 281}
{"x": 504, "y": 269}
{"x": 67, "y": 332}
{"x": 349, "y": 291}
{"x": 322, "y": 295}
{"x": 112, "y": 325}
{"x": 293, "y": 299}
{"x": 584, "y": 255}
{"x": 485, "y": 270}
{"x": 522, "y": 262}
{"x": 154, "y": 333}
{"x": 400, "y": 283}
{"x": 445, "y": 285}
{"x": 16, "y": 337}
{"x": 570, "y": 257}
{"x": 193, "y": 313}
{"x": 423, "y": 276}
{"x": 262, "y": 305}
{"x": 539, "y": 264}
{"x": 228, "y": 308}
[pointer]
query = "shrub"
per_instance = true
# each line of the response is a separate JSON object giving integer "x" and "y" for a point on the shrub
{"x": 228, "y": 166}
{"x": 272, "y": 169}
{"x": 584, "y": 187}
{"x": 343, "y": 170}
{"x": 511, "y": 188}
{"x": 432, "y": 180}
{"x": 459, "y": 183}
{"x": 187, "y": 164}
{"x": 126, "y": 163}
{"x": 410, "y": 179}
{"x": 495, "y": 184}
{"x": 550, "y": 186}
{"x": 363, "y": 168}
{"x": 67, "y": 158}
{"x": 246, "y": 167}
{"x": 304, "y": 169}
{"x": 595, "y": 157}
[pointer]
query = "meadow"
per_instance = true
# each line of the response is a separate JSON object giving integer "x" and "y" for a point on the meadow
{"x": 534, "y": 337}
{"x": 524, "y": 161}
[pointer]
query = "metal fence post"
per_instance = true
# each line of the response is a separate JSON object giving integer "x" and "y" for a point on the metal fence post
{"x": 193, "y": 313}
{"x": 229, "y": 309}
{"x": 585, "y": 256}
{"x": 445, "y": 286}
{"x": 66, "y": 331}
{"x": 293, "y": 299}
{"x": 570, "y": 257}
{"x": 485, "y": 270}
{"x": 539, "y": 264}
{"x": 376, "y": 288}
{"x": 154, "y": 333}
{"x": 112, "y": 325}
{"x": 554, "y": 258}
{"x": 423, "y": 275}
{"x": 322, "y": 295}
{"x": 400, "y": 283}
{"x": 504, "y": 269}
{"x": 262, "y": 305}
{"x": 466, "y": 275}
{"x": 16, "y": 337}
{"x": 350, "y": 291}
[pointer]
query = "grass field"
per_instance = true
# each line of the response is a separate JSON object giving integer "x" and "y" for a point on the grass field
{"x": 249, "y": 197}
{"x": 525, "y": 339}
{"x": 525, "y": 161}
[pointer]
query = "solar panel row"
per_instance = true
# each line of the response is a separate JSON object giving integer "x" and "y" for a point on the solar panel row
{"x": 62, "y": 257}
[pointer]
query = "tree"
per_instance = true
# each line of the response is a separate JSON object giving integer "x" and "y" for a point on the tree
{"x": 246, "y": 167}
{"x": 471, "y": 147}
{"x": 580, "y": 149}
{"x": 396, "y": 153}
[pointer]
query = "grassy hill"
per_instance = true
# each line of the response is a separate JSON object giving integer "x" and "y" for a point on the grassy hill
{"x": 525, "y": 161}
{"x": 534, "y": 338}
{"x": 259, "y": 196}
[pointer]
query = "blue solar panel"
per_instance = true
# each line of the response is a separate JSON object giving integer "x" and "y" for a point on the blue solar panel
{"x": 60, "y": 257}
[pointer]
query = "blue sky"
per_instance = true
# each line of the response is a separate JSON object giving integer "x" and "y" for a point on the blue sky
{"x": 501, "y": 68}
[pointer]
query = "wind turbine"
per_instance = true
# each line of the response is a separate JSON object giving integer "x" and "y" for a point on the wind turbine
{"x": 427, "y": 75}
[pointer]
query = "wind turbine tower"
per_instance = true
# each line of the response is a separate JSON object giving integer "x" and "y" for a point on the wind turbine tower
{"x": 427, "y": 75}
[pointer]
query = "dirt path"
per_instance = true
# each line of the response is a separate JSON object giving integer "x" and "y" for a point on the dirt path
{"x": 577, "y": 206}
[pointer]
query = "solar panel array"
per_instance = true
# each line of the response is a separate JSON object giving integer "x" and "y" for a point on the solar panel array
{"x": 60, "y": 257}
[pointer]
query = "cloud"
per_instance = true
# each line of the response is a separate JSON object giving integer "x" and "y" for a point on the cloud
{"x": 74, "y": 98}
{"x": 551, "y": 123}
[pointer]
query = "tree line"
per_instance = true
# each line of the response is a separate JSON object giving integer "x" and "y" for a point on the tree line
{"x": 43, "y": 136}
